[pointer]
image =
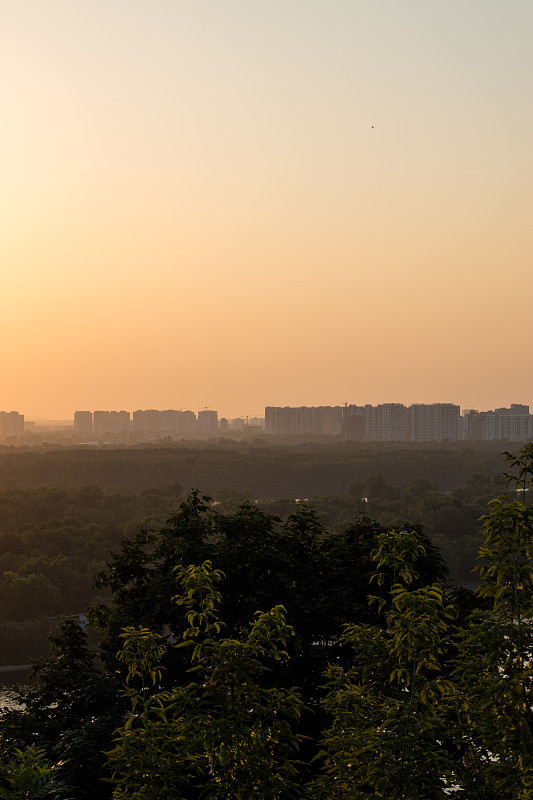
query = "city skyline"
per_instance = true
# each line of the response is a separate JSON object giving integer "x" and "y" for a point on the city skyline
{"x": 386, "y": 422}
{"x": 244, "y": 415}
{"x": 204, "y": 409}
{"x": 245, "y": 203}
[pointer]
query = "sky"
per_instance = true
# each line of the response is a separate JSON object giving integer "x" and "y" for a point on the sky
{"x": 239, "y": 203}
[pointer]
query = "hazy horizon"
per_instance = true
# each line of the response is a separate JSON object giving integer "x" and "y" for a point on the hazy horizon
{"x": 241, "y": 204}
{"x": 243, "y": 414}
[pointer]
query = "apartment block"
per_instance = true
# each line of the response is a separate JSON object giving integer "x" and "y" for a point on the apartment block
{"x": 207, "y": 422}
{"x": 387, "y": 422}
{"x": 169, "y": 421}
{"x": 83, "y": 421}
{"x": 304, "y": 419}
{"x": 434, "y": 422}
{"x": 111, "y": 422}
{"x": 11, "y": 424}
{"x": 514, "y": 423}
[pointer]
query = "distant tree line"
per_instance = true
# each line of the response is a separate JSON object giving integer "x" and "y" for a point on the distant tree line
{"x": 53, "y": 541}
{"x": 260, "y": 467}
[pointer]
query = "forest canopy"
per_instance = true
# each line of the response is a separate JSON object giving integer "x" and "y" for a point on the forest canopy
{"x": 244, "y": 656}
{"x": 53, "y": 541}
{"x": 261, "y": 468}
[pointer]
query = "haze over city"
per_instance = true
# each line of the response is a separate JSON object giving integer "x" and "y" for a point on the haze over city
{"x": 276, "y": 203}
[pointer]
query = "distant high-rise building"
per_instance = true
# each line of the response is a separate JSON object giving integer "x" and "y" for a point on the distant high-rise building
{"x": 207, "y": 422}
{"x": 187, "y": 422}
{"x": 333, "y": 419}
{"x": 447, "y": 425}
{"x": 514, "y": 424}
{"x": 83, "y": 421}
{"x": 353, "y": 423}
{"x": 111, "y": 422}
{"x": 165, "y": 422}
{"x": 11, "y": 424}
{"x": 421, "y": 422}
{"x": 283, "y": 420}
{"x": 101, "y": 422}
{"x": 148, "y": 421}
{"x": 181, "y": 422}
{"x": 387, "y": 422}
{"x": 169, "y": 420}
{"x": 434, "y": 422}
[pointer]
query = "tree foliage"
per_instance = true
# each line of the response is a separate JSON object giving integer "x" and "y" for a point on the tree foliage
{"x": 363, "y": 675}
{"x": 386, "y": 725}
{"x": 495, "y": 661}
{"x": 227, "y": 732}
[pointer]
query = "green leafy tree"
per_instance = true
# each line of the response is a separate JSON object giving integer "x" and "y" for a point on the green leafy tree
{"x": 28, "y": 775}
{"x": 226, "y": 732}
{"x": 69, "y": 710}
{"x": 386, "y": 709}
{"x": 320, "y": 578}
{"x": 495, "y": 661}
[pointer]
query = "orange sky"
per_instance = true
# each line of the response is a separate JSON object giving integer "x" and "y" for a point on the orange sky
{"x": 279, "y": 202}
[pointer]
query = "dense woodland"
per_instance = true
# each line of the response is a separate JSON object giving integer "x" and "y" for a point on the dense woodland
{"x": 308, "y": 648}
{"x": 56, "y": 535}
{"x": 263, "y": 467}
{"x": 244, "y": 656}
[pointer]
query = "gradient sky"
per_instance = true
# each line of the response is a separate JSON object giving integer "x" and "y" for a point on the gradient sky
{"x": 240, "y": 203}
